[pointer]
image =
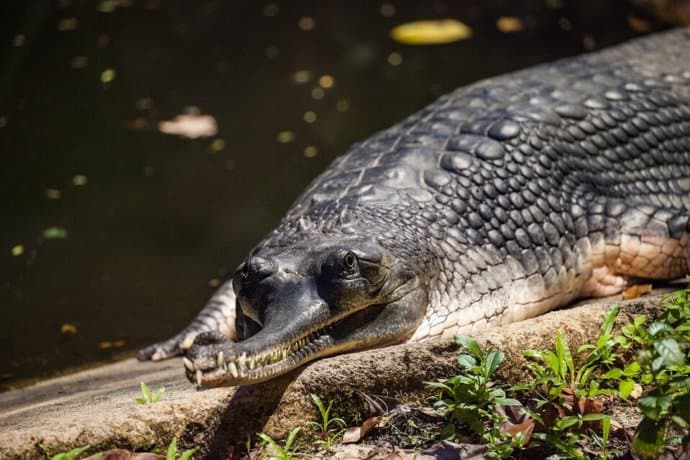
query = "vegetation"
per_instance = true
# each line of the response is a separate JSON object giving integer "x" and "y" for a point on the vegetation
{"x": 171, "y": 452}
{"x": 329, "y": 429}
{"x": 286, "y": 452}
{"x": 148, "y": 396}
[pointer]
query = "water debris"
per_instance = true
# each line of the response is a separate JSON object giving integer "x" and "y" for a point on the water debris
{"x": 108, "y": 75}
{"x": 17, "y": 250}
{"x": 433, "y": 32}
{"x": 217, "y": 145}
{"x": 309, "y": 116}
{"x": 107, "y": 344}
{"x": 395, "y": 59}
{"x": 79, "y": 180}
{"x": 509, "y": 24}
{"x": 107, "y": 6}
{"x": 53, "y": 194}
{"x": 306, "y": 23}
{"x": 145, "y": 103}
{"x": 326, "y": 81}
{"x": 18, "y": 40}
{"x": 103, "y": 41}
{"x": 317, "y": 93}
{"x": 343, "y": 105}
{"x": 3, "y": 121}
{"x": 54, "y": 233}
{"x": 190, "y": 124}
{"x": 67, "y": 24}
{"x": 271, "y": 52}
{"x": 387, "y": 10}
{"x": 68, "y": 329}
{"x": 79, "y": 62}
{"x": 301, "y": 77}
{"x": 271, "y": 10}
{"x": 310, "y": 151}
{"x": 214, "y": 282}
{"x": 285, "y": 137}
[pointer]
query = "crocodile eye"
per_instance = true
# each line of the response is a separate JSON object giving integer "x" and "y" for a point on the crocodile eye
{"x": 350, "y": 261}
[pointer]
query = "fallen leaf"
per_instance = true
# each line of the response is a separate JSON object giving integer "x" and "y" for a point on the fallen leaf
{"x": 356, "y": 433}
{"x": 447, "y": 450}
{"x": 517, "y": 421}
{"x": 434, "y": 32}
{"x": 636, "y": 290}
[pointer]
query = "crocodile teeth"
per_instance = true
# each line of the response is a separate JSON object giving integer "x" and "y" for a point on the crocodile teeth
{"x": 233, "y": 369}
{"x": 219, "y": 359}
{"x": 188, "y": 364}
{"x": 198, "y": 377}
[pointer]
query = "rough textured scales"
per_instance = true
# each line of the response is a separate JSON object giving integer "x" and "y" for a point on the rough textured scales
{"x": 498, "y": 202}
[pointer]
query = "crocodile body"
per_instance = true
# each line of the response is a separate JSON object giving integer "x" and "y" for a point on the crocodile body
{"x": 500, "y": 201}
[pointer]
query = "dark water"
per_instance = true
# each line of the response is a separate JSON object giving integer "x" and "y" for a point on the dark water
{"x": 144, "y": 223}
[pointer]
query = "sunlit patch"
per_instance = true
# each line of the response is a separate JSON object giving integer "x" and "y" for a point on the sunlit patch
{"x": 306, "y": 23}
{"x": 395, "y": 59}
{"x": 326, "y": 81}
{"x": 509, "y": 24}
{"x": 191, "y": 124}
{"x": 68, "y": 329}
{"x": 217, "y": 145}
{"x": 301, "y": 77}
{"x": 53, "y": 194}
{"x": 271, "y": 10}
{"x": 108, "y": 75}
{"x": 67, "y": 24}
{"x": 434, "y": 32}
{"x": 285, "y": 137}
{"x": 79, "y": 62}
{"x": 387, "y": 10}
{"x": 79, "y": 180}
{"x": 317, "y": 93}
{"x": 18, "y": 40}
{"x": 54, "y": 233}
{"x": 343, "y": 105}
{"x": 309, "y": 116}
{"x": 310, "y": 151}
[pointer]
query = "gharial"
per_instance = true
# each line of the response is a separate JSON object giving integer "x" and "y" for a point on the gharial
{"x": 500, "y": 201}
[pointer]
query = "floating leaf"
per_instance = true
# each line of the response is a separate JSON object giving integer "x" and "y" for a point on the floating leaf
{"x": 433, "y": 32}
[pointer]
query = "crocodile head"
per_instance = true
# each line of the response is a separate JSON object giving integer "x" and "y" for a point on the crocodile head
{"x": 309, "y": 300}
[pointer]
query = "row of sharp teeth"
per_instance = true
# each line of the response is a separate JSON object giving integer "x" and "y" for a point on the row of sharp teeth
{"x": 240, "y": 365}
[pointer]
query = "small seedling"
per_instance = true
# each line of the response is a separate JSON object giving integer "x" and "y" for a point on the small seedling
{"x": 171, "y": 452}
{"x": 148, "y": 396}
{"x": 71, "y": 455}
{"x": 286, "y": 452}
{"x": 329, "y": 429}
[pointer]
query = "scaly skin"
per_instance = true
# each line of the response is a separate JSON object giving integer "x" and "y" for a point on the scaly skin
{"x": 498, "y": 202}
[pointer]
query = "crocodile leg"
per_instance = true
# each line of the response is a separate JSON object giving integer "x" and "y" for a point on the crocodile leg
{"x": 217, "y": 316}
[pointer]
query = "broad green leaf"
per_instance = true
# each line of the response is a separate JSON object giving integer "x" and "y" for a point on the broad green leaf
{"x": 669, "y": 350}
{"x": 614, "y": 373}
{"x": 291, "y": 437}
{"x": 493, "y": 359}
{"x": 171, "y": 453}
{"x": 466, "y": 361}
{"x": 653, "y": 407}
{"x": 625, "y": 388}
{"x": 469, "y": 344}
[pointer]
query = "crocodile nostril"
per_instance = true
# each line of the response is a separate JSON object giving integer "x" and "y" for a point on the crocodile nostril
{"x": 260, "y": 268}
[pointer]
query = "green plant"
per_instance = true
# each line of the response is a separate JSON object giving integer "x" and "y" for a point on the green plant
{"x": 663, "y": 361}
{"x": 71, "y": 455}
{"x": 470, "y": 397}
{"x": 148, "y": 396}
{"x": 286, "y": 452}
{"x": 171, "y": 452}
{"x": 329, "y": 429}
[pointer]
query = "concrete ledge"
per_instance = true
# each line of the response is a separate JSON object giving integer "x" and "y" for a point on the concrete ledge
{"x": 97, "y": 406}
